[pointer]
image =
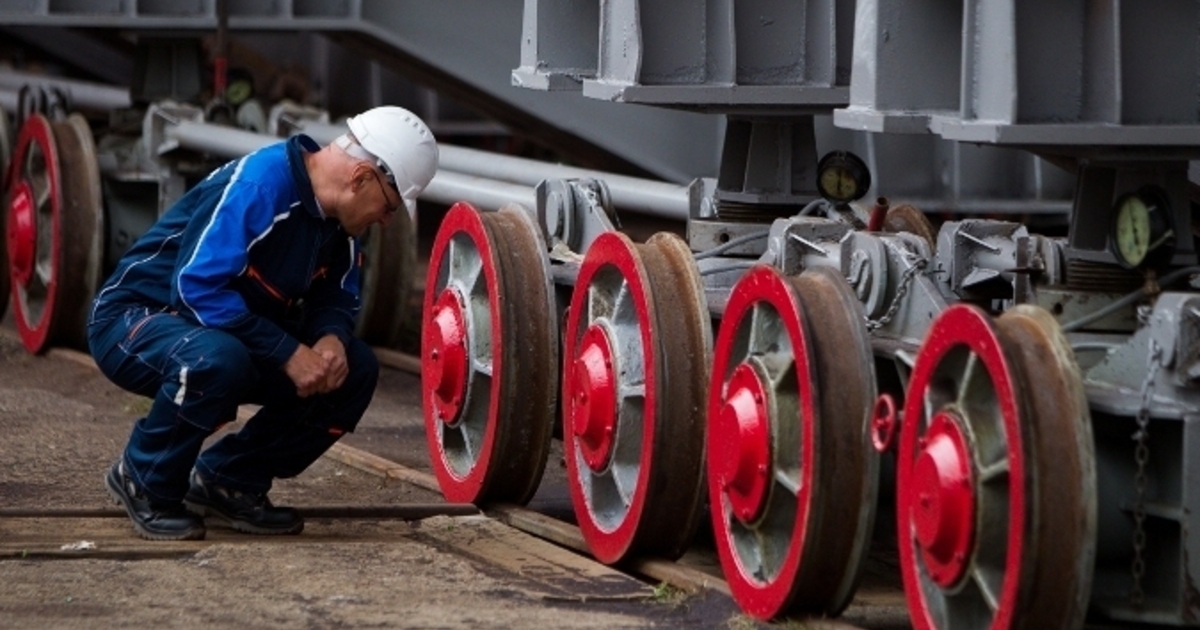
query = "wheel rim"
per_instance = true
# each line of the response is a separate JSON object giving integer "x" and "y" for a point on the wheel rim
{"x": 32, "y": 231}
{"x": 387, "y": 280}
{"x": 489, "y": 356}
{"x": 5, "y": 156}
{"x": 624, "y": 444}
{"x": 1014, "y": 394}
{"x": 790, "y": 470}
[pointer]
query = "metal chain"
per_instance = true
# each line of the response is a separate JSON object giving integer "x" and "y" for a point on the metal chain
{"x": 905, "y": 282}
{"x": 1141, "y": 456}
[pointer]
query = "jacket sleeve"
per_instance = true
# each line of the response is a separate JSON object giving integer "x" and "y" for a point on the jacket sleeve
{"x": 215, "y": 252}
{"x": 333, "y": 296}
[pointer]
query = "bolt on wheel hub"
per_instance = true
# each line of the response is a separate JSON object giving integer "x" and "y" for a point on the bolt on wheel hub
{"x": 944, "y": 510}
{"x": 744, "y": 454}
{"x": 446, "y": 364}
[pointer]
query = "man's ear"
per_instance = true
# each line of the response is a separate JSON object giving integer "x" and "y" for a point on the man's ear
{"x": 358, "y": 176}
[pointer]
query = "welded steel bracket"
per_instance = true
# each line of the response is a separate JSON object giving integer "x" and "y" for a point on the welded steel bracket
{"x": 574, "y": 212}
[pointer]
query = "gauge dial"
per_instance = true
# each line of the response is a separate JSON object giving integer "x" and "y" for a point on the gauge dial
{"x": 842, "y": 177}
{"x": 1141, "y": 225}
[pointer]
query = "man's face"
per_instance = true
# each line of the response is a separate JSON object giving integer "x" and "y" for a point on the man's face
{"x": 376, "y": 204}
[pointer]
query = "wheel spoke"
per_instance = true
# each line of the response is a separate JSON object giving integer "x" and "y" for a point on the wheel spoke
{"x": 482, "y": 365}
{"x": 995, "y": 472}
{"x": 989, "y": 582}
{"x": 789, "y": 480}
{"x": 968, "y": 608}
{"x": 44, "y": 272}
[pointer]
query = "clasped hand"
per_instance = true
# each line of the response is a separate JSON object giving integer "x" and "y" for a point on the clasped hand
{"x": 319, "y": 369}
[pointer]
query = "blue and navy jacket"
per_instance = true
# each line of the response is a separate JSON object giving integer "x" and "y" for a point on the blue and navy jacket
{"x": 243, "y": 251}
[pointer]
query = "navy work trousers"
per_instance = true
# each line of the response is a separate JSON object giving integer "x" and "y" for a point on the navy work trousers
{"x": 197, "y": 377}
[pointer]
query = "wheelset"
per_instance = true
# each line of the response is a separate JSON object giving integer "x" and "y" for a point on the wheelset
{"x": 53, "y": 231}
{"x": 792, "y": 476}
{"x": 996, "y": 497}
{"x": 387, "y": 280}
{"x": 636, "y": 358}
{"x": 489, "y": 356}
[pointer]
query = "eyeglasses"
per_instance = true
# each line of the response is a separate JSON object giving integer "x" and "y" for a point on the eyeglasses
{"x": 391, "y": 208}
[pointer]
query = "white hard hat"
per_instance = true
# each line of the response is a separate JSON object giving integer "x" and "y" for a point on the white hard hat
{"x": 403, "y": 147}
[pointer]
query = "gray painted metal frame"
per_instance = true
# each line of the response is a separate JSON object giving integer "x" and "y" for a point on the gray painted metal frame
{"x": 472, "y": 42}
{"x": 1029, "y": 72}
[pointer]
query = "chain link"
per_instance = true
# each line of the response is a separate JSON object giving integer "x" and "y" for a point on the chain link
{"x": 1141, "y": 456}
{"x": 905, "y": 282}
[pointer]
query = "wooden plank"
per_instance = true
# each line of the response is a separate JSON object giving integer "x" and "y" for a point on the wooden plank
{"x": 559, "y": 574}
{"x": 569, "y": 536}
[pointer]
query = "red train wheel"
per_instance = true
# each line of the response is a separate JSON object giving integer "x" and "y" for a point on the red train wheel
{"x": 996, "y": 486}
{"x": 791, "y": 474}
{"x": 53, "y": 231}
{"x": 637, "y": 344}
{"x": 5, "y": 155}
{"x": 489, "y": 356}
{"x": 389, "y": 267}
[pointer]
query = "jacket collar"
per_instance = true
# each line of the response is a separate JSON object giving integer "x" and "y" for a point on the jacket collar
{"x": 297, "y": 146}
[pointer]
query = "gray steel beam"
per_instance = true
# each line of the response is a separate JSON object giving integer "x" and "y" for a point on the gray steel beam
{"x": 474, "y": 43}
{"x": 1067, "y": 76}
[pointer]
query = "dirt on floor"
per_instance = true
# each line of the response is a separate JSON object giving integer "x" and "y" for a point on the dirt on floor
{"x": 62, "y": 424}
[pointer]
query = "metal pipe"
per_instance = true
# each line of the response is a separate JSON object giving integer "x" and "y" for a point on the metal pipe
{"x": 219, "y": 140}
{"x": 632, "y": 194}
{"x": 449, "y": 187}
{"x": 83, "y": 94}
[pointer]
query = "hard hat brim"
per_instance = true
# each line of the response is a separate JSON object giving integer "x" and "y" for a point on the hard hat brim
{"x": 411, "y": 206}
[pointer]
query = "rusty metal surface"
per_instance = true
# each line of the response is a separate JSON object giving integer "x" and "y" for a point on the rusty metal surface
{"x": 684, "y": 335}
{"x": 1056, "y": 572}
{"x": 907, "y": 218}
{"x": 529, "y": 385}
{"x": 847, "y": 474}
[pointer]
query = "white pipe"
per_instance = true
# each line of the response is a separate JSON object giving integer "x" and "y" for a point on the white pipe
{"x": 632, "y": 194}
{"x": 449, "y": 187}
{"x": 83, "y": 94}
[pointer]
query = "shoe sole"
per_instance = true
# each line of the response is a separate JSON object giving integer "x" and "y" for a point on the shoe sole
{"x": 118, "y": 497}
{"x": 210, "y": 513}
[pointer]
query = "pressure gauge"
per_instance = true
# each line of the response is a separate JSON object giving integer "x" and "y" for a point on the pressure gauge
{"x": 842, "y": 177}
{"x": 1141, "y": 225}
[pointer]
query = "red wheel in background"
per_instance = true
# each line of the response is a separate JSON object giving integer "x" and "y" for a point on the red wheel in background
{"x": 389, "y": 267}
{"x": 489, "y": 356}
{"x": 636, "y": 356}
{"x": 6, "y": 142}
{"x": 792, "y": 476}
{"x": 53, "y": 231}
{"x": 996, "y": 498}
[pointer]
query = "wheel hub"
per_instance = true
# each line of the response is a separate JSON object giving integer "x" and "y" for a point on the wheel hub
{"x": 595, "y": 406}
{"x": 446, "y": 359}
{"x": 744, "y": 456}
{"x": 944, "y": 505}
{"x": 22, "y": 234}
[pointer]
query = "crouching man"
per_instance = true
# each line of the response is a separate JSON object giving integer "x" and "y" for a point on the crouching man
{"x": 245, "y": 291}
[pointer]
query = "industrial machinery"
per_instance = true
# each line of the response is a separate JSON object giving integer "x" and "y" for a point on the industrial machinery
{"x": 1033, "y": 398}
{"x": 1005, "y": 361}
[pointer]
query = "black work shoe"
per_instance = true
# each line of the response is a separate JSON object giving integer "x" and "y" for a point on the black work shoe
{"x": 247, "y": 512}
{"x": 152, "y": 522}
